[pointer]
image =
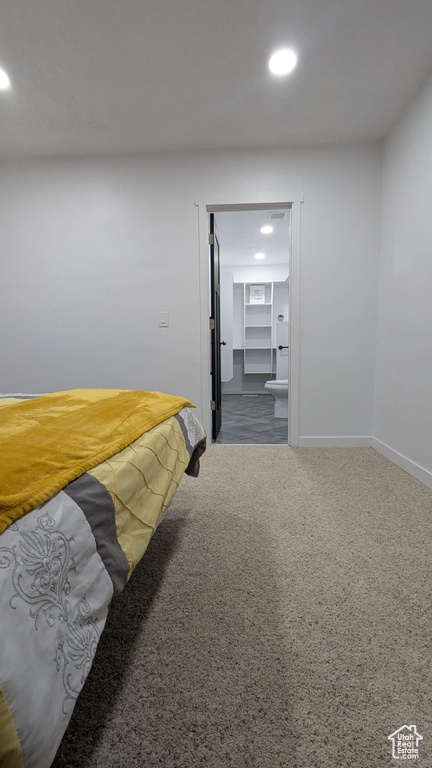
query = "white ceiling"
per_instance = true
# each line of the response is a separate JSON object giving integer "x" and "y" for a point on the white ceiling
{"x": 108, "y": 76}
{"x": 240, "y": 237}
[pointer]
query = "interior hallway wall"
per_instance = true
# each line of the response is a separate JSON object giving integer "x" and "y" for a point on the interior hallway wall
{"x": 403, "y": 412}
{"x": 93, "y": 248}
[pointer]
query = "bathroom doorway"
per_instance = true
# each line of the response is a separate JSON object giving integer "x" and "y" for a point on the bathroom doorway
{"x": 253, "y": 344}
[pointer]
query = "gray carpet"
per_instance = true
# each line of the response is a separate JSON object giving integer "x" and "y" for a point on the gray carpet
{"x": 279, "y": 618}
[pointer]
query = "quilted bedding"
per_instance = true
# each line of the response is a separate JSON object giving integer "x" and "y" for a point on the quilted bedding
{"x": 60, "y": 566}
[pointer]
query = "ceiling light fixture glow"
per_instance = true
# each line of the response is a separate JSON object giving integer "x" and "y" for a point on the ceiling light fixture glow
{"x": 266, "y": 229}
{"x": 282, "y": 62}
{"x": 260, "y": 255}
{"x": 5, "y": 82}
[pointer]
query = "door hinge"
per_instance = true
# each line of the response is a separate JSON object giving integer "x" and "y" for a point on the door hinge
{"x": 213, "y": 405}
{"x": 211, "y": 239}
{"x": 212, "y": 323}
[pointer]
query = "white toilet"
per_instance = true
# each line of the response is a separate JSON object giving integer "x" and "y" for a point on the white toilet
{"x": 279, "y": 387}
{"x": 279, "y": 390}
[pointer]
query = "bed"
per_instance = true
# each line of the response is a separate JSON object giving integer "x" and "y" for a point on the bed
{"x": 85, "y": 479}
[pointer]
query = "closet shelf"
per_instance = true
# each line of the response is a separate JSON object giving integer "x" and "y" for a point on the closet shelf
{"x": 258, "y": 339}
{"x": 259, "y": 370}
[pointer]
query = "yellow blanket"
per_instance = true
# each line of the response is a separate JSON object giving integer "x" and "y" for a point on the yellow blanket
{"x": 48, "y": 441}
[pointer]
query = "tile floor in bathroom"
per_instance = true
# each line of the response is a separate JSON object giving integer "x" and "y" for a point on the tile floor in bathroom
{"x": 249, "y": 419}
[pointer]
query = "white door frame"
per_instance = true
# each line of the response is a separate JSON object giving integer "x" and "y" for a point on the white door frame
{"x": 293, "y": 202}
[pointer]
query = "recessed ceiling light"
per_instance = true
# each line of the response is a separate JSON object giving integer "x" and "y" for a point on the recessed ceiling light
{"x": 266, "y": 229}
{"x": 282, "y": 62}
{"x": 260, "y": 255}
{"x": 4, "y": 80}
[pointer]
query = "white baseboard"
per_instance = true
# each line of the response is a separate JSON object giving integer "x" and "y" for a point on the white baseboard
{"x": 341, "y": 441}
{"x": 420, "y": 473}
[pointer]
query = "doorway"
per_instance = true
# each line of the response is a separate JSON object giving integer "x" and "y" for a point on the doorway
{"x": 250, "y": 324}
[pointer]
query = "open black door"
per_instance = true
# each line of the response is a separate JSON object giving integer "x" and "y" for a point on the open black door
{"x": 215, "y": 329}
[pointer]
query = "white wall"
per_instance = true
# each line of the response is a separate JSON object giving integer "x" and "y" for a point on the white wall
{"x": 91, "y": 249}
{"x": 403, "y": 399}
{"x": 265, "y": 274}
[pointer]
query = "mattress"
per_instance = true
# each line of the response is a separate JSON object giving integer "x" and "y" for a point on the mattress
{"x": 62, "y": 563}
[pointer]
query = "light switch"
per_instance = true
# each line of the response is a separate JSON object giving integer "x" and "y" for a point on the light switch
{"x": 163, "y": 320}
